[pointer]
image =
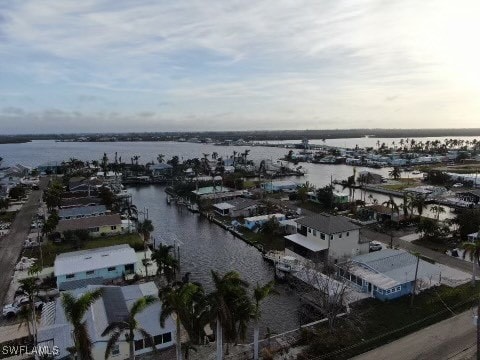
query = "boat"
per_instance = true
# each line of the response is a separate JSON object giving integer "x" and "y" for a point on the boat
{"x": 287, "y": 264}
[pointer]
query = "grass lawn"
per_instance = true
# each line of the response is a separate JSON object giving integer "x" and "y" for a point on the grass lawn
{"x": 8, "y": 216}
{"x": 374, "y": 323}
{"x": 50, "y": 251}
{"x": 276, "y": 242}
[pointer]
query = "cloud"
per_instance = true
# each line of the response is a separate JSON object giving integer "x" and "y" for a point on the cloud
{"x": 267, "y": 63}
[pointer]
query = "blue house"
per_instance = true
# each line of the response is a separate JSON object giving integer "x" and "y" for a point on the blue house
{"x": 388, "y": 274}
{"x": 78, "y": 269}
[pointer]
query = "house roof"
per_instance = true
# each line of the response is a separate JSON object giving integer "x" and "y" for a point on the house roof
{"x": 82, "y": 201}
{"x": 86, "y": 260}
{"x": 82, "y": 211}
{"x": 389, "y": 267}
{"x": 161, "y": 166}
{"x": 310, "y": 244}
{"x": 264, "y": 217}
{"x": 114, "y": 304}
{"x": 328, "y": 224}
{"x": 242, "y": 203}
{"x": 223, "y": 206}
{"x": 89, "y": 222}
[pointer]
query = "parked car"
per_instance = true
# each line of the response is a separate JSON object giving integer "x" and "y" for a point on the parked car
{"x": 375, "y": 246}
{"x": 457, "y": 185}
{"x": 14, "y": 308}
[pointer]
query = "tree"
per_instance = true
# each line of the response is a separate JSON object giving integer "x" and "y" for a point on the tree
{"x": 189, "y": 303}
{"x": 259, "y": 294}
{"x": 104, "y": 165}
{"x": 160, "y": 158}
{"x": 437, "y": 210}
{"x": 145, "y": 228}
{"x": 303, "y": 191}
{"x": 472, "y": 250}
{"x": 30, "y": 288}
{"x": 325, "y": 196}
{"x": 51, "y": 224}
{"x": 231, "y": 308}
{"x": 166, "y": 263}
{"x": 75, "y": 309}
{"x": 468, "y": 222}
{"x": 53, "y": 195}
{"x": 395, "y": 173}
{"x": 128, "y": 327}
{"x": 390, "y": 203}
{"x": 131, "y": 211}
{"x": 107, "y": 196}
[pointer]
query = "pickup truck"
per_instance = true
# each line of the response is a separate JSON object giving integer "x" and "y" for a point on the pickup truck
{"x": 14, "y": 308}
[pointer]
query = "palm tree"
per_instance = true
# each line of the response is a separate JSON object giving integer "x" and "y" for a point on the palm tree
{"x": 437, "y": 209}
{"x": 395, "y": 173}
{"x": 30, "y": 288}
{"x": 160, "y": 158}
{"x": 390, "y": 203}
{"x": 166, "y": 263}
{"x": 105, "y": 164}
{"x": 259, "y": 294}
{"x": 145, "y": 228}
{"x": 231, "y": 308}
{"x": 188, "y": 302}
{"x": 75, "y": 310}
{"x": 129, "y": 326}
{"x": 131, "y": 211}
{"x": 472, "y": 249}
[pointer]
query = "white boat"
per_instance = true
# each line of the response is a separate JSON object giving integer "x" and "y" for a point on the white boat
{"x": 287, "y": 264}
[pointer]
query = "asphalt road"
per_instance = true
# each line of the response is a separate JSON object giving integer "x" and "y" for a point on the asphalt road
{"x": 11, "y": 246}
{"x": 453, "y": 338}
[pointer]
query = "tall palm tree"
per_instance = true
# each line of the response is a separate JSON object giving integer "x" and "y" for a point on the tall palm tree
{"x": 188, "y": 302}
{"x": 472, "y": 250}
{"x": 437, "y": 209}
{"x": 259, "y": 294}
{"x": 390, "y": 203}
{"x": 30, "y": 288}
{"x": 145, "y": 228}
{"x": 395, "y": 173}
{"x": 128, "y": 327}
{"x": 75, "y": 309}
{"x": 166, "y": 263}
{"x": 160, "y": 158}
{"x": 231, "y": 308}
{"x": 131, "y": 211}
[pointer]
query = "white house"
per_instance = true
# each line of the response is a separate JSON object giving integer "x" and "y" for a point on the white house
{"x": 323, "y": 237}
{"x": 113, "y": 306}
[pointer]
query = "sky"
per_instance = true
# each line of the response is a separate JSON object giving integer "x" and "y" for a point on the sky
{"x": 121, "y": 66}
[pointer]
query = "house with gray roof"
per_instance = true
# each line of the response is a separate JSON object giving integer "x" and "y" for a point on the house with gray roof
{"x": 110, "y": 224}
{"x": 80, "y": 212}
{"x": 237, "y": 207}
{"x": 325, "y": 237}
{"x": 389, "y": 274}
{"x": 78, "y": 269}
{"x": 114, "y": 305}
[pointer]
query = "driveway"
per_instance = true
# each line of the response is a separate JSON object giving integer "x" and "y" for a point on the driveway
{"x": 12, "y": 244}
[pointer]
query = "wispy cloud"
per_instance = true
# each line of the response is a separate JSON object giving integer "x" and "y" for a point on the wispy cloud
{"x": 269, "y": 63}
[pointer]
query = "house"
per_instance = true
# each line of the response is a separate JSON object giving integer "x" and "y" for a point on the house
{"x": 471, "y": 196}
{"x": 94, "y": 266}
{"x": 383, "y": 213}
{"x": 160, "y": 169}
{"x": 240, "y": 207}
{"x": 276, "y": 186}
{"x": 340, "y": 198}
{"x": 81, "y": 212}
{"x": 51, "y": 167}
{"x": 258, "y": 221}
{"x": 114, "y": 305}
{"x": 323, "y": 237}
{"x": 388, "y": 274}
{"x": 473, "y": 237}
{"x": 79, "y": 201}
{"x": 96, "y": 226}
{"x": 221, "y": 193}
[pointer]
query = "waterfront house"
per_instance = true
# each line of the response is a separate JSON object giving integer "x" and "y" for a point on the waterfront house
{"x": 323, "y": 237}
{"x": 160, "y": 169}
{"x": 258, "y": 221}
{"x": 388, "y": 274}
{"x": 79, "y": 201}
{"x": 96, "y": 226}
{"x": 51, "y": 167}
{"x": 340, "y": 198}
{"x": 77, "y": 269}
{"x": 239, "y": 207}
{"x": 220, "y": 193}
{"x": 80, "y": 212}
{"x": 282, "y": 185}
{"x": 114, "y": 305}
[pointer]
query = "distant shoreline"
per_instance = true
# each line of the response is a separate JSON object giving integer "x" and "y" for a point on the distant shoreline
{"x": 245, "y": 135}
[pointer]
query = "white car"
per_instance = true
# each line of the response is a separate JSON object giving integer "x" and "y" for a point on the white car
{"x": 457, "y": 185}
{"x": 14, "y": 308}
{"x": 375, "y": 246}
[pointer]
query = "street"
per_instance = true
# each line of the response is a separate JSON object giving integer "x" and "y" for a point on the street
{"x": 453, "y": 338}
{"x": 11, "y": 246}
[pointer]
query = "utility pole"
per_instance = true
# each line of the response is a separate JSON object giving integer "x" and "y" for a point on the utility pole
{"x": 415, "y": 281}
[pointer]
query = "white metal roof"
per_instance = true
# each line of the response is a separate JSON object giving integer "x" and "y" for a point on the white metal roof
{"x": 264, "y": 217}
{"x": 223, "y": 206}
{"x": 310, "y": 244}
{"x": 85, "y": 260}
